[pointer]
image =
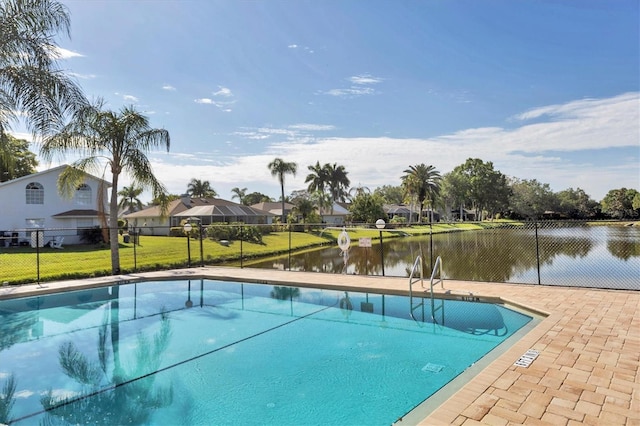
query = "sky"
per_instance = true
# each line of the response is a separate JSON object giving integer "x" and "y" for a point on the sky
{"x": 545, "y": 90}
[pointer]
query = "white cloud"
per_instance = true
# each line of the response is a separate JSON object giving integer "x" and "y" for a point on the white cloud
{"x": 311, "y": 127}
{"x": 365, "y": 79}
{"x": 168, "y": 87}
{"x": 358, "y": 88}
{"x": 351, "y": 92}
{"x": 130, "y": 98}
{"x": 305, "y": 48}
{"x": 82, "y": 76}
{"x": 583, "y": 107}
{"x": 224, "y": 91}
{"x": 224, "y": 106}
{"x": 61, "y": 53}
{"x": 127, "y": 98}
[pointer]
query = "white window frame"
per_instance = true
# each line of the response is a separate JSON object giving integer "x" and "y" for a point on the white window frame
{"x": 83, "y": 195}
{"x": 34, "y": 193}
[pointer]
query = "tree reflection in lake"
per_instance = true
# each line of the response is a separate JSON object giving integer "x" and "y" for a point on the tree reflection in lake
{"x": 560, "y": 254}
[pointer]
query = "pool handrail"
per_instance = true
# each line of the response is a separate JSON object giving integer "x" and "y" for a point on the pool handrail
{"x": 437, "y": 267}
{"x": 412, "y": 280}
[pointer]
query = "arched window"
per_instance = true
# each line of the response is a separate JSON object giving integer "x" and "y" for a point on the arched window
{"x": 34, "y": 193}
{"x": 83, "y": 194}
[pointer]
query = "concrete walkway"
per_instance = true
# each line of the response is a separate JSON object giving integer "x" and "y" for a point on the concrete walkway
{"x": 589, "y": 343}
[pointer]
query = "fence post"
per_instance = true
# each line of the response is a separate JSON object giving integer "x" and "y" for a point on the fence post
{"x": 535, "y": 222}
{"x": 201, "y": 251}
{"x": 431, "y": 247}
{"x": 289, "y": 246}
{"x": 241, "y": 238}
{"x": 38, "y": 255}
{"x": 135, "y": 242}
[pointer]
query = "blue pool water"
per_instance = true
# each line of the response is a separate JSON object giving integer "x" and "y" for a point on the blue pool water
{"x": 209, "y": 352}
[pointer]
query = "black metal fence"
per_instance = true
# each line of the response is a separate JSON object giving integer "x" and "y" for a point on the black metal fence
{"x": 577, "y": 254}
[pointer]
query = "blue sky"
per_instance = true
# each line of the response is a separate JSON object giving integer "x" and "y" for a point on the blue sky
{"x": 546, "y": 90}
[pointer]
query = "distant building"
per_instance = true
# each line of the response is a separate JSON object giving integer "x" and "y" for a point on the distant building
{"x": 336, "y": 216}
{"x": 275, "y": 208}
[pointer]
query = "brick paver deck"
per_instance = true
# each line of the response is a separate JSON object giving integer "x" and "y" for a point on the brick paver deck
{"x": 589, "y": 343}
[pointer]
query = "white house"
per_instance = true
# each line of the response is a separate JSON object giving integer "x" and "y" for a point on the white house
{"x": 33, "y": 202}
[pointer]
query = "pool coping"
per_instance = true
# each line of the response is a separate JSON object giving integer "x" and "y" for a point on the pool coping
{"x": 589, "y": 344}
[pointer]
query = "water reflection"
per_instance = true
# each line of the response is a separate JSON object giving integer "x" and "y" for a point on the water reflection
{"x": 502, "y": 255}
{"x": 111, "y": 394}
{"x": 7, "y": 398}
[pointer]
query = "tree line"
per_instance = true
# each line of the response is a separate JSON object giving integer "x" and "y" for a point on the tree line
{"x": 474, "y": 185}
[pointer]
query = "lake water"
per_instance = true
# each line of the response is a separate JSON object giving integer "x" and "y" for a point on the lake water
{"x": 585, "y": 256}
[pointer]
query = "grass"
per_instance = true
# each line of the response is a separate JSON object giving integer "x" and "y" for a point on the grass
{"x": 20, "y": 264}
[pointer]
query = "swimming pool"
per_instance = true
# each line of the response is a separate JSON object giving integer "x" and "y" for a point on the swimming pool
{"x": 214, "y": 352}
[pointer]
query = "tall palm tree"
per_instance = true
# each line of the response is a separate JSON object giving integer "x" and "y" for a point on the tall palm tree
{"x": 121, "y": 139}
{"x": 424, "y": 182}
{"x": 32, "y": 86}
{"x": 200, "y": 189}
{"x": 279, "y": 168}
{"x": 338, "y": 182}
{"x": 130, "y": 198}
{"x": 240, "y": 194}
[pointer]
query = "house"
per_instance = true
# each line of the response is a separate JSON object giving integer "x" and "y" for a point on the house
{"x": 337, "y": 215}
{"x": 275, "y": 208}
{"x": 32, "y": 202}
{"x": 467, "y": 215}
{"x": 409, "y": 213}
{"x": 150, "y": 221}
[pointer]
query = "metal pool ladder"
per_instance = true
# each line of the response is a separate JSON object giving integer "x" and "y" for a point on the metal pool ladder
{"x": 436, "y": 277}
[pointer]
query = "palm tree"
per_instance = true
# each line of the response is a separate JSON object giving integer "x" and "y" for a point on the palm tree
{"x": 338, "y": 182}
{"x": 130, "y": 198}
{"x": 317, "y": 179}
{"x": 122, "y": 139}
{"x": 31, "y": 84}
{"x": 409, "y": 192}
{"x": 358, "y": 190}
{"x": 240, "y": 194}
{"x": 200, "y": 189}
{"x": 423, "y": 181}
{"x": 280, "y": 168}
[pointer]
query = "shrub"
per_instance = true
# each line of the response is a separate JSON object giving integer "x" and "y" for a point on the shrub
{"x": 252, "y": 234}
{"x": 91, "y": 235}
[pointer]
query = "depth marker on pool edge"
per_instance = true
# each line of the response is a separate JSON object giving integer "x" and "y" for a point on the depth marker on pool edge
{"x": 526, "y": 359}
